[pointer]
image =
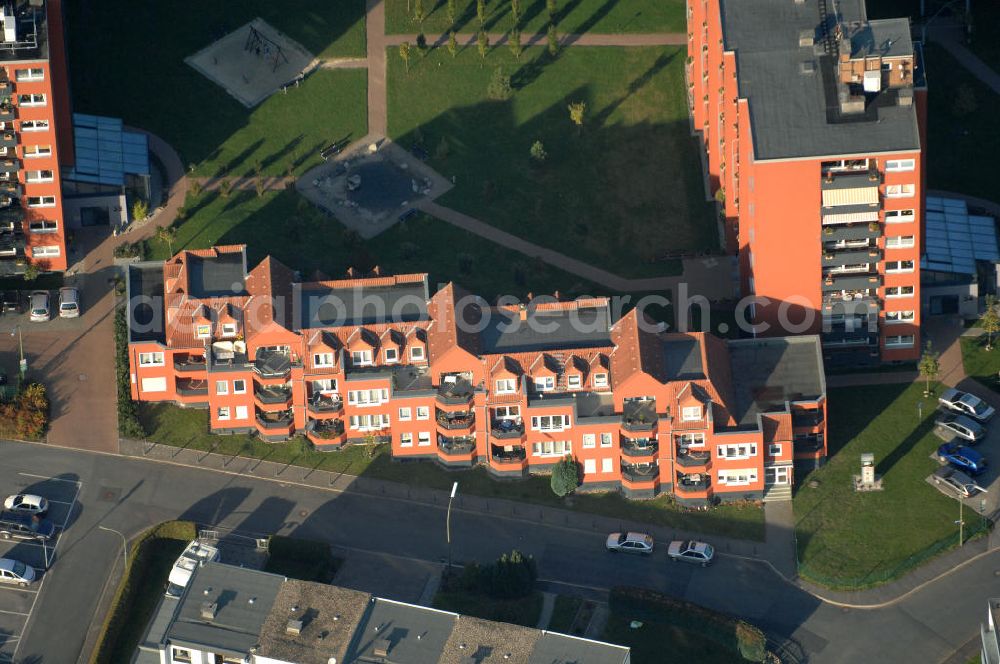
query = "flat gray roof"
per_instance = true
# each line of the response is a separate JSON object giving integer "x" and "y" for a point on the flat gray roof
{"x": 682, "y": 359}
{"x": 768, "y": 372}
{"x": 560, "y": 329}
{"x": 555, "y": 648}
{"x": 217, "y": 276}
{"x": 796, "y": 114}
{"x": 145, "y": 302}
{"x": 336, "y": 307}
{"x": 411, "y": 634}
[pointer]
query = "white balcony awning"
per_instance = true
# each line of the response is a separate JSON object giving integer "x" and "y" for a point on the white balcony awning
{"x": 850, "y": 218}
{"x": 857, "y": 196}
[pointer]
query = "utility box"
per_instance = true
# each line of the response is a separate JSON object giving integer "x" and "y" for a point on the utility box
{"x": 867, "y": 480}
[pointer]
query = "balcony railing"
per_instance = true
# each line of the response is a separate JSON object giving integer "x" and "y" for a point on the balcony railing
{"x": 271, "y": 364}
{"x": 810, "y": 444}
{"x": 457, "y": 392}
{"x": 838, "y": 257}
{"x": 190, "y": 364}
{"x": 8, "y": 165}
{"x": 503, "y": 428}
{"x": 194, "y": 388}
{"x": 690, "y": 459}
{"x": 516, "y": 455}
{"x": 857, "y": 231}
{"x": 274, "y": 421}
{"x": 685, "y": 485}
{"x": 807, "y": 418}
{"x": 8, "y": 139}
{"x": 327, "y": 429}
{"x": 7, "y": 112}
{"x": 456, "y": 445}
{"x": 851, "y": 282}
{"x": 325, "y": 404}
{"x": 640, "y": 472}
{"x": 639, "y": 446}
{"x": 276, "y": 394}
{"x": 455, "y": 420}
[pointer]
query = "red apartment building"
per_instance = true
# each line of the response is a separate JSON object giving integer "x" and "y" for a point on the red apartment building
{"x": 450, "y": 378}
{"x": 813, "y": 117}
{"x": 35, "y": 132}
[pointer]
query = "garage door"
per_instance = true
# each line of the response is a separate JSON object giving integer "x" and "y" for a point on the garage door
{"x": 154, "y": 384}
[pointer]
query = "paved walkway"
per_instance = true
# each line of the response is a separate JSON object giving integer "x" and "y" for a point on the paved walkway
{"x": 951, "y": 39}
{"x": 268, "y": 182}
{"x": 548, "y": 606}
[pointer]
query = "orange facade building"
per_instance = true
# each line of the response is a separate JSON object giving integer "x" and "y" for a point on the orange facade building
{"x": 812, "y": 118}
{"x": 448, "y": 377}
{"x": 35, "y": 136}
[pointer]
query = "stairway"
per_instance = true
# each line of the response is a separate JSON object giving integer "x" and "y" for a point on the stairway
{"x": 777, "y": 492}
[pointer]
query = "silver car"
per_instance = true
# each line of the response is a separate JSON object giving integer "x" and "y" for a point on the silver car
{"x": 27, "y": 503}
{"x": 961, "y": 426}
{"x": 69, "y": 302}
{"x": 956, "y": 481}
{"x": 690, "y": 551}
{"x": 39, "y": 307}
{"x": 16, "y": 573}
{"x": 966, "y": 404}
{"x": 630, "y": 543}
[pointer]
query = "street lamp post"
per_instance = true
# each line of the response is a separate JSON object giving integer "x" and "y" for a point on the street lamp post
{"x": 124, "y": 543}
{"x": 22, "y": 366}
{"x": 447, "y": 523}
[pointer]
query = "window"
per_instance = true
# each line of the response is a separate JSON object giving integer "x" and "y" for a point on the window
{"x": 229, "y": 329}
{"x": 574, "y": 381}
{"x": 223, "y": 413}
{"x": 406, "y": 440}
{"x": 545, "y": 383}
{"x": 33, "y": 151}
{"x": 405, "y": 414}
{"x": 738, "y": 451}
{"x": 43, "y": 226}
{"x": 899, "y": 216}
{"x": 900, "y": 165}
{"x": 41, "y": 201}
{"x": 150, "y": 359}
{"x": 423, "y": 439}
{"x": 39, "y": 176}
{"x": 899, "y": 341}
{"x": 899, "y": 291}
{"x": 899, "y": 317}
{"x": 48, "y": 250}
{"x": 600, "y": 380}
{"x": 239, "y": 386}
{"x": 391, "y": 355}
{"x": 507, "y": 411}
{"x": 691, "y": 440}
{"x": 416, "y": 352}
{"x": 898, "y": 266}
{"x": 589, "y": 441}
{"x": 589, "y": 466}
{"x": 899, "y": 190}
{"x": 322, "y": 360}
{"x": 549, "y": 422}
{"x": 241, "y": 413}
{"x": 34, "y": 125}
{"x": 691, "y": 413}
{"x": 31, "y": 100}
{"x": 368, "y": 397}
{"x": 552, "y": 448}
{"x": 607, "y": 465}
{"x": 774, "y": 449}
{"x": 181, "y": 655}
{"x": 33, "y": 74}
{"x": 368, "y": 422}
{"x": 221, "y": 387}
{"x": 899, "y": 242}
{"x": 738, "y": 477}
{"x": 203, "y": 331}
{"x": 154, "y": 384}
{"x": 423, "y": 413}
{"x": 505, "y": 385}
{"x": 606, "y": 440}
{"x": 361, "y": 357}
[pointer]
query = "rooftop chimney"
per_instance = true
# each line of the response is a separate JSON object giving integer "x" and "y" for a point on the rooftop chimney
{"x": 293, "y": 628}
{"x": 524, "y": 311}
{"x": 381, "y": 648}
{"x": 806, "y": 38}
{"x": 208, "y": 610}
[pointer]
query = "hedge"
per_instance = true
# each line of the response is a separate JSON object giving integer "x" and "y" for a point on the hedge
{"x": 128, "y": 411}
{"x": 129, "y": 589}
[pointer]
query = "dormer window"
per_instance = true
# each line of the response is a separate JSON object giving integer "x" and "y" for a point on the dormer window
{"x": 506, "y": 385}
{"x": 229, "y": 329}
{"x": 203, "y": 331}
{"x": 391, "y": 355}
{"x": 416, "y": 352}
{"x": 574, "y": 381}
{"x": 691, "y": 413}
{"x": 323, "y": 359}
{"x": 600, "y": 380}
{"x": 545, "y": 383}
{"x": 361, "y": 357}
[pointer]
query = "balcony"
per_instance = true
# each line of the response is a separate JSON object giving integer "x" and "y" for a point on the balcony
{"x": 639, "y": 446}
{"x": 860, "y": 178}
{"x": 12, "y": 244}
{"x": 192, "y": 388}
{"x": 8, "y": 139}
{"x": 807, "y": 418}
{"x": 851, "y": 232}
{"x": 838, "y": 257}
{"x": 855, "y": 305}
{"x": 692, "y": 459}
{"x": 270, "y": 421}
{"x": 275, "y": 394}
{"x": 9, "y": 165}
{"x": 190, "y": 363}
{"x": 456, "y": 444}
{"x": 322, "y": 404}
{"x": 454, "y": 391}
{"x": 456, "y": 420}
{"x": 326, "y": 429}
{"x": 695, "y": 483}
{"x": 10, "y": 187}
{"x": 8, "y": 112}
{"x": 506, "y": 428}
{"x": 839, "y": 282}
{"x": 640, "y": 472}
{"x": 272, "y": 364}
{"x": 372, "y": 438}
{"x": 639, "y": 415}
{"x": 508, "y": 455}
{"x": 840, "y": 336}
{"x": 809, "y": 444}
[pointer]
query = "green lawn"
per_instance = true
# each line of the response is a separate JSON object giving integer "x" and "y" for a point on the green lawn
{"x": 521, "y": 611}
{"x": 986, "y": 32}
{"x": 181, "y": 427}
{"x": 574, "y": 16}
{"x": 620, "y": 194}
{"x": 982, "y": 364}
{"x": 564, "y": 612}
{"x": 197, "y": 117}
{"x": 962, "y": 127}
{"x": 662, "y": 643}
{"x": 852, "y": 540}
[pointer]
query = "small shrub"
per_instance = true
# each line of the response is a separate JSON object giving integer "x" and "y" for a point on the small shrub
{"x": 751, "y": 642}
{"x": 195, "y": 188}
{"x": 140, "y": 209}
{"x": 537, "y": 152}
{"x": 32, "y": 271}
{"x": 565, "y": 477}
{"x": 499, "y": 88}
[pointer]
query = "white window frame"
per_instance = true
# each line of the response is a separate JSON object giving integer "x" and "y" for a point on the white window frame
{"x": 369, "y": 422}
{"x": 394, "y": 357}
{"x": 37, "y": 151}
{"x": 30, "y": 74}
{"x": 203, "y": 330}
{"x": 691, "y": 413}
{"x": 322, "y": 360}
{"x": 45, "y": 251}
{"x": 607, "y": 439}
{"x": 423, "y": 412}
{"x": 506, "y": 385}
{"x": 223, "y": 413}
{"x": 507, "y": 412}
{"x": 889, "y": 269}
{"x": 600, "y": 380}
{"x": 34, "y": 125}
{"x": 47, "y": 226}
{"x": 545, "y": 383}
{"x": 221, "y": 387}
{"x": 406, "y": 440}
{"x": 900, "y": 190}
{"x": 416, "y": 352}
{"x": 890, "y": 294}
{"x": 695, "y": 440}
{"x": 551, "y": 448}
{"x": 589, "y": 441}
{"x": 900, "y": 165}
{"x": 590, "y": 466}
{"x": 367, "y": 398}
{"x": 899, "y": 242}
{"x": 899, "y": 317}
{"x": 900, "y": 216}
{"x": 737, "y": 451}
{"x": 229, "y": 329}
{"x": 39, "y": 176}
{"x": 405, "y": 414}
{"x": 774, "y": 449}
{"x": 240, "y": 390}
{"x": 738, "y": 477}
{"x": 32, "y": 99}
{"x": 151, "y": 359}
{"x": 361, "y": 358}
{"x": 423, "y": 439}
{"x": 899, "y": 341}
{"x": 548, "y": 422}
{"x": 242, "y": 413}
{"x": 180, "y": 655}
{"x": 607, "y": 465}
{"x": 574, "y": 380}
{"x": 41, "y": 201}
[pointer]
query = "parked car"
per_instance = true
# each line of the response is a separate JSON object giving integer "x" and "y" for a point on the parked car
{"x": 27, "y": 503}
{"x": 195, "y": 554}
{"x": 10, "y": 302}
{"x": 962, "y": 458}
{"x": 691, "y": 551}
{"x": 961, "y": 426}
{"x": 956, "y": 481}
{"x": 69, "y": 302}
{"x": 630, "y": 543}
{"x": 39, "y": 307}
{"x": 18, "y": 525}
{"x": 17, "y": 573}
{"x": 966, "y": 404}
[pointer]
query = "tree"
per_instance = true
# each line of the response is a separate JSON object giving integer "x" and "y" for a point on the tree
{"x": 553, "y": 36}
{"x": 929, "y": 366}
{"x": 422, "y": 43}
{"x": 452, "y": 44}
{"x": 565, "y": 477}
{"x": 577, "y": 110}
{"x": 32, "y": 271}
{"x": 990, "y": 322}
{"x": 418, "y": 11}
{"x": 483, "y": 42}
{"x": 404, "y": 52}
{"x": 515, "y": 43}
{"x": 140, "y": 210}
{"x": 452, "y": 13}
{"x": 538, "y": 152}
{"x": 499, "y": 88}
{"x": 481, "y": 12}
{"x": 225, "y": 187}
{"x": 515, "y": 11}
{"x": 552, "y": 6}
{"x": 167, "y": 235}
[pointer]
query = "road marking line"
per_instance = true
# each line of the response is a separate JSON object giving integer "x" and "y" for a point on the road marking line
{"x": 14, "y": 613}
{"x": 19, "y": 590}
{"x": 60, "y": 502}
{"x": 52, "y": 479}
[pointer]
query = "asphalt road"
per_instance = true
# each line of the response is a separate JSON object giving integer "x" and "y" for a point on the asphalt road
{"x": 131, "y": 494}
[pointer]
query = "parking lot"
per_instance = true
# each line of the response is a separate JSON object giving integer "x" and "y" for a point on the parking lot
{"x": 17, "y": 604}
{"x": 988, "y": 502}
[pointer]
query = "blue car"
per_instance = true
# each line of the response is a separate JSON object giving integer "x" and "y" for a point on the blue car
{"x": 963, "y": 458}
